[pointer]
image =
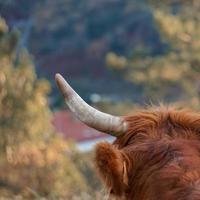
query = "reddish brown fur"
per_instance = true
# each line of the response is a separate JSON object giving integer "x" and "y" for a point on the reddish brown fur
{"x": 159, "y": 155}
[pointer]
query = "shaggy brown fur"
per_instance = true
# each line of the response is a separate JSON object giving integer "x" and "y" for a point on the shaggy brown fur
{"x": 157, "y": 159}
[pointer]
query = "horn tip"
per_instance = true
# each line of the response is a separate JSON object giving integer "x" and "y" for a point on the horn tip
{"x": 59, "y": 79}
{"x": 58, "y": 76}
{"x": 62, "y": 84}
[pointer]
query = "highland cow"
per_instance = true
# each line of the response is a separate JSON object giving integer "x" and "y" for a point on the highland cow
{"x": 156, "y": 154}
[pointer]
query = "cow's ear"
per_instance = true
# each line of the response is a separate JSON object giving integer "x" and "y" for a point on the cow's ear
{"x": 111, "y": 166}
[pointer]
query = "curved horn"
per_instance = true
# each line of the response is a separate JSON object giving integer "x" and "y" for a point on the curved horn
{"x": 104, "y": 122}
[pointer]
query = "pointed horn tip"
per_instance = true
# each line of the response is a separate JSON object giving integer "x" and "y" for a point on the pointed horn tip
{"x": 58, "y": 77}
{"x": 64, "y": 87}
{"x": 60, "y": 81}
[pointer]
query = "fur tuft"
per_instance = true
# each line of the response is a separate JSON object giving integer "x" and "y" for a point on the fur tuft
{"x": 110, "y": 163}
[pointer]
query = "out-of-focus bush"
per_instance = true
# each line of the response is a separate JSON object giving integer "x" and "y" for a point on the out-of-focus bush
{"x": 174, "y": 74}
{"x": 34, "y": 161}
{"x": 40, "y": 169}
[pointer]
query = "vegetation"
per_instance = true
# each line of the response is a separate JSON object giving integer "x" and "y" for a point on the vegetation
{"x": 34, "y": 160}
{"x": 173, "y": 75}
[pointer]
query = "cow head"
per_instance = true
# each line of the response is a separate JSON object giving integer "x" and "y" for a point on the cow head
{"x": 156, "y": 154}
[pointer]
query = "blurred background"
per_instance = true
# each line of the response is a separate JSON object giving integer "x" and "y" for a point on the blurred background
{"x": 119, "y": 55}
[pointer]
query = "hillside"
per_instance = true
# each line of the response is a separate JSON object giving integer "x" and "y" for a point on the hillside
{"x": 73, "y": 37}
